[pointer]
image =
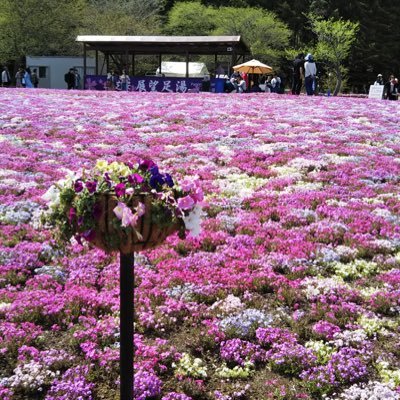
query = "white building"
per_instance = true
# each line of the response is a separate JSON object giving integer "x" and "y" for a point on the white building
{"x": 51, "y": 70}
{"x": 178, "y": 69}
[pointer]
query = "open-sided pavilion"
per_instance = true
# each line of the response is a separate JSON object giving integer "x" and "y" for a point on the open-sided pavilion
{"x": 122, "y": 50}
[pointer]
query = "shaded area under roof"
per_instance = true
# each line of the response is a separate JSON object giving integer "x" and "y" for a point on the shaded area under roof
{"x": 205, "y": 45}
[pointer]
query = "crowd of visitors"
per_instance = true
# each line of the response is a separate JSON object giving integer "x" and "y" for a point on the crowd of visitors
{"x": 24, "y": 78}
{"x": 304, "y": 72}
{"x": 390, "y": 88}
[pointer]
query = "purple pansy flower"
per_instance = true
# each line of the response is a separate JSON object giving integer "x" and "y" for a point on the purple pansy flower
{"x": 91, "y": 186}
{"x": 168, "y": 180}
{"x": 78, "y": 186}
{"x": 89, "y": 235}
{"x": 146, "y": 165}
{"x": 120, "y": 189}
{"x": 135, "y": 179}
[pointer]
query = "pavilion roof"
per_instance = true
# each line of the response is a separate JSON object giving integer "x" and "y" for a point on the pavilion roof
{"x": 165, "y": 44}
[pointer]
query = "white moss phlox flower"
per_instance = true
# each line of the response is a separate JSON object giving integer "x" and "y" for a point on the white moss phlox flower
{"x": 193, "y": 220}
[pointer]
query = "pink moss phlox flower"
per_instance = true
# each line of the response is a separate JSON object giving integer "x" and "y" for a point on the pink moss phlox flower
{"x": 91, "y": 186}
{"x": 120, "y": 189}
{"x": 186, "y": 203}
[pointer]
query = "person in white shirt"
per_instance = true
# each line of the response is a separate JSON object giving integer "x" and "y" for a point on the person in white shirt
{"x": 241, "y": 86}
{"x": 276, "y": 84}
{"x": 310, "y": 73}
{"x": 5, "y": 77}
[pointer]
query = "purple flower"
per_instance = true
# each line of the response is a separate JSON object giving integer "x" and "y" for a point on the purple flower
{"x": 156, "y": 180}
{"x": 168, "y": 180}
{"x": 78, "y": 186}
{"x": 91, "y": 186}
{"x": 135, "y": 179}
{"x": 71, "y": 214}
{"x": 146, "y": 165}
{"x": 89, "y": 235}
{"x": 107, "y": 179}
{"x": 185, "y": 203}
{"x": 120, "y": 189}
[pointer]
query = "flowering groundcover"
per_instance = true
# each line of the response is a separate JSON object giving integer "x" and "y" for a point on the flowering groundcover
{"x": 291, "y": 291}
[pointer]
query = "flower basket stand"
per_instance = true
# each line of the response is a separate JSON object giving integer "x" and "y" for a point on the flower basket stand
{"x": 149, "y": 235}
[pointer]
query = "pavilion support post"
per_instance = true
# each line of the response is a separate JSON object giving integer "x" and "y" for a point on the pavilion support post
{"x": 107, "y": 56}
{"x": 84, "y": 66}
{"x": 215, "y": 63}
{"x": 159, "y": 63}
{"x": 133, "y": 64}
{"x": 126, "y": 62}
{"x": 97, "y": 62}
{"x": 187, "y": 64}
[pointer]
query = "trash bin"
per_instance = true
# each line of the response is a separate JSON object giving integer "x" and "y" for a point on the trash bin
{"x": 219, "y": 85}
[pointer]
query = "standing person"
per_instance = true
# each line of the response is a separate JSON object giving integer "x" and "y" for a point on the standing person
{"x": 69, "y": 79}
{"x": 379, "y": 80}
{"x": 77, "y": 79}
{"x": 5, "y": 78}
{"x": 19, "y": 78}
{"x": 310, "y": 73}
{"x": 35, "y": 78}
{"x": 124, "y": 80}
{"x": 298, "y": 73}
{"x": 27, "y": 78}
{"x": 391, "y": 89}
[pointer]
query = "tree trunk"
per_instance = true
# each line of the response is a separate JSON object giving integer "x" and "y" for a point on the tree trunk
{"x": 338, "y": 81}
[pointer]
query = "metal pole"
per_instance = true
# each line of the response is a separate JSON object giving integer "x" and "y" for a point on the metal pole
{"x": 84, "y": 65}
{"x": 187, "y": 64}
{"x": 127, "y": 262}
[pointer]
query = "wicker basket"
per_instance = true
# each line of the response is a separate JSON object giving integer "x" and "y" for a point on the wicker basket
{"x": 111, "y": 238}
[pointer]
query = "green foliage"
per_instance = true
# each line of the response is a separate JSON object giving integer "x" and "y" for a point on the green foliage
{"x": 33, "y": 27}
{"x": 121, "y": 17}
{"x": 335, "y": 39}
{"x": 265, "y": 34}
{"x": 184, "y": 19}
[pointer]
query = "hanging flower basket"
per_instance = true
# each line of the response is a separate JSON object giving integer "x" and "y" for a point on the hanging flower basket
{"x": 122, "y": 207}
{"x": 110, "y": 236}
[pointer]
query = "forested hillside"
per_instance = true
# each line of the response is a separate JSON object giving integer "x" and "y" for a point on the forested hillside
{"x": 275, "y": 29}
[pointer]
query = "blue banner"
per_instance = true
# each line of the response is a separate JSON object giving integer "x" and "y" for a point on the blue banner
{"x": 146, "y": 84}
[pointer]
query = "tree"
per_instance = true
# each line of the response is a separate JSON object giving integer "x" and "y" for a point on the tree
{"x": 265, "y": 34}
{"x": 121, "y": 17}
{"x": 38, "y": 27}
{"x": 183, "y": 19}
{"x": 334, "y": 41}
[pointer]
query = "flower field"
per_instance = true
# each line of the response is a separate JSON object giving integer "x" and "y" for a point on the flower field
{"x": 291, "y": 290}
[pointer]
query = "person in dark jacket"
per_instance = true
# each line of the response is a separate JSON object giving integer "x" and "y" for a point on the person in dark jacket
{"x": 298, "y": 73}
{"x": 391, "y": 90}
{"x": 69, "y": 79}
